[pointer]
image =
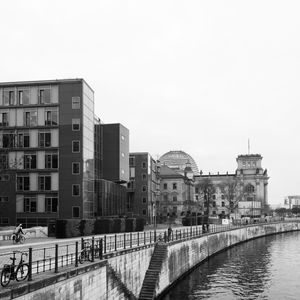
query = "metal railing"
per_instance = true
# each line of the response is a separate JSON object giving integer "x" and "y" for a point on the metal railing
{"x": 99, "y": 247}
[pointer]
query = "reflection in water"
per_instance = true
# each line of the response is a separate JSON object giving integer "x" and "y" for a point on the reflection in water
{"x": 265, "y": 268}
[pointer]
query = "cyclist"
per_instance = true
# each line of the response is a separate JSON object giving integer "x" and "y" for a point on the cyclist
{"x": 18, "y": 232}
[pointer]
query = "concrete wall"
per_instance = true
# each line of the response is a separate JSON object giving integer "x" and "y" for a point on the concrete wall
{"x": 183, "y": 256}
{"x": 121, "y": 275}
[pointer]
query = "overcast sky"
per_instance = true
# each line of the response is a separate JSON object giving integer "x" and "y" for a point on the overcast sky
{"x": 197, "y": 76}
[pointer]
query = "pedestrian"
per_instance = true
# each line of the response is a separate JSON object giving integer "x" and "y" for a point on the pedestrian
{"x": 169, "y": 233}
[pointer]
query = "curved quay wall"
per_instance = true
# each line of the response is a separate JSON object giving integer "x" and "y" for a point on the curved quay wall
{"x": 122, "y": 274}
{"x": 184, "y": 256}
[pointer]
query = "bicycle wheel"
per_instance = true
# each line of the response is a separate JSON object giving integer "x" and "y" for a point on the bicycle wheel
{"x": 81, "y": 257}
{"x": 5, "y": 277}
{"x": 22, "y": 239}
{"x": 22, "y": 272}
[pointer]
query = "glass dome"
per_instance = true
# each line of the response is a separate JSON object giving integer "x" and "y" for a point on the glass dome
{"x": 177, "y": 160}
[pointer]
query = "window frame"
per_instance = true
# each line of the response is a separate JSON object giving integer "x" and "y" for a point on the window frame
{"x": 73, "y": 164}
{"x": 73, "y": 186}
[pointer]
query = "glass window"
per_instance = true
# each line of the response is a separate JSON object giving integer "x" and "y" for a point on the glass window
{"x": 144, "y": 199}
{"x": 75, "y": 168}
{"x": 75, "y": 102}
{"x": 75, "y": 190}
{"x": 30, "y": 118}
{"x": 75, "y": 124}
{"x": 131, "y": 161}
{"x": 3, "y": 199}
{"x": 23, "y": 140}
{"x": 3, "y": 161}
{"x": 174, "y": 186}
{"x": 51, "y": 117}
{"x": 45, "y": 182}
{"x": 144, "y": 165}
{"x": 44, "y": 139}
{"x": 165, "y": 197}
{"x": 4, "y": 177}
{"x": 8, "y": 140}
{"x": 23, "y": 183}
{"x": 165, "y": 186}
{"x": 174, "y": 198}
{"x": 75, "y": 211}
{"x": 9, "y": 97}
{"x": 144, "y": 176}
{"x": 4, "y": 119}
{"x": 23, "y": 97}
{"x": 51, "y": 160}
{"x": 30, "y": 204}
{"x": 223, "y": 204}
{"x": 29, "y": 161}
{"x": 144, "y": 212}
{"x": 75, "y": 146}
{"x": 44, "y": 96}
{"x": 51, "y": 204}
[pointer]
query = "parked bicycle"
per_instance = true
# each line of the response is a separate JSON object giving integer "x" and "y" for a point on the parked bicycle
{"x": 13, "y": 271}
{"x": 85, "y": 253}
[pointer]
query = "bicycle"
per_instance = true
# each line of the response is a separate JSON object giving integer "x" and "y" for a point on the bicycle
{"x": 12, "y": 272}
{"x": 18, "y": 238}
{"x": 85, "y": 253}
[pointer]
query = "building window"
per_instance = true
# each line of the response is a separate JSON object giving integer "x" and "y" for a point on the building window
{"x": 223, "y": 212}
{"x": 75, "y": 168}
{"x": 4, "y": 119}
{"x": 23, "y": 140}
{"x": 51, "y": 161}
{"x": 29, "y": 161}
{"x": 249, "y": 198}
{"x": 44, "y": 96}
{"x": 8, "y": 97}
{"x": 3, "y": 199}
{"x": 144, "y": 188}
{"x": 174, "y": 186}
{"x": 214, "y": 197}
{"x": 30, "y": 204}
{"x": 197, "y": 197}
{"x": 23, "y": 97}
{"x": 4, "y": 177}
{"x": 131, "y": 161}
{"x": 165, "y": 186}
{"x": 30, "y": 118}
{"x": 144, "y": 165}
{"x": 165, "y": 197}
{"x": 197, "y": 190}
{"x": 144, "y": 199}
{"x": 8, "y": 140}
{"x": 75, "y": 190}
{"x": 222, "y": 197}
{"x": 45, "y": 139}
{"x": 214, "y": 204}
{"x": 75, "y": 124}
{"x": 4, "y": 221}
{"x": 75, "y": 102}
{"x": 144, "y": 212}
{"x": 75, "y": 146}
{"x": 45, "y": 182}
{"x": 23, "y": 183}
{"x": 249, "y": 188}
{"x": 144, "y": 176}
{"x": 51, "y": 204}
{"x": 75, "y": 212}
{"x": 3, "y": 161}
{"x": 214, "y": 212}
{"x": 51, "y": 117}
{"x": 223, "y": 204}
{"x": 174, "y": 198}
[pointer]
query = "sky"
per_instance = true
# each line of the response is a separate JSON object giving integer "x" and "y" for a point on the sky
{"x": 198, "y": 76}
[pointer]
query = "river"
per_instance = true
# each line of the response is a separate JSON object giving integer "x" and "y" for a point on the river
{"x": 264, "y": 268}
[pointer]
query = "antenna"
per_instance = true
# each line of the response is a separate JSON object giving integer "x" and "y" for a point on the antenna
{"x": 248, "y": 146}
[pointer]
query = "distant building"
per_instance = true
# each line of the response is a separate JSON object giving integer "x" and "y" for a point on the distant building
{"x": 143, "y": 186}
{"x": 292, "y": 202}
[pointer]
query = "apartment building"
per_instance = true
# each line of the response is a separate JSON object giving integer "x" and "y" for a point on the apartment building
{"x": 47, "y": 152}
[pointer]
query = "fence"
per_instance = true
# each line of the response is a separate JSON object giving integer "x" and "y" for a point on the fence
{"x": 89, "y": 249}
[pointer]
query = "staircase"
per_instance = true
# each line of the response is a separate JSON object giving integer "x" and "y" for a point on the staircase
{"x": 152, "y": 274}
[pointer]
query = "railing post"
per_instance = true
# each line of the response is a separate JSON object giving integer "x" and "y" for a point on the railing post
{"x": 150, "y": 236}
{"x": 115, "y": 242}
{"x": 138, "y": 239}
{"x": 82, "y": 243}
{"x": 155, "y": 236}
{"x": 56, "y": 259}
{"x": 93, "y": 249}
{"x": 130, "y": 236}
{"x": 165, "y": 237}
{"x": 30, "y": 264}
{"x": 124, "y": 240}
{"x": 144, "y": 237}
{"x": 176, "y": 234}
{"x": 76, "y": 254}
{"x": 104, "y": 244}
{"x": 101, "y": 249}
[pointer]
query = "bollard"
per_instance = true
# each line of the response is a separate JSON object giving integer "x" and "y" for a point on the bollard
{"x": 30, "y": 264}
{"x": 93, "y": 249}
{"x": 76, "y": 254}
{"x": 56, "y": 259}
